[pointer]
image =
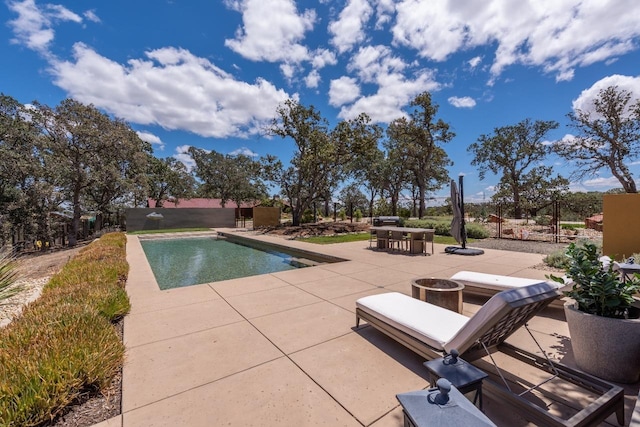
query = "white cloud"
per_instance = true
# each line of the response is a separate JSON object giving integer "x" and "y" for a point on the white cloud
{"x": 244, "y": 151}
{"x": 171, "y": 88}
{"x": 394, "y": 92}
{"x": 375, "y": 65}
{"x": 371, "y": 62}
{"x": 322, "y": 58}
{"x": 384, "y": 11}
{"x": 313, "y": 79}
{"x": 343, "y": 91}
{"x": 464, "y": 102}
{"x": 584, "y": 102}
{"x": 271, "y": 31}
{"x": 475, "y": 61}
{"x": 182, "y": 154}
{"x": 151, "y": 139}
{"x": 91, "y": 16}
{"x": 348, "y": 29}
{"x": 555, "y": 35}
{"x": 33, "y": 26}
{"x": 608, "y": 183}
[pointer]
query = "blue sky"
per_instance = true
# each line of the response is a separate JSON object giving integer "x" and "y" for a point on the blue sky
{"x": 211, "y": 73}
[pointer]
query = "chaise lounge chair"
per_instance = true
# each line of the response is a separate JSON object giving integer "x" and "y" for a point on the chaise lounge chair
{"x": 433, "y": 331}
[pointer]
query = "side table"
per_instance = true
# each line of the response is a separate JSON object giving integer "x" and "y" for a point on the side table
{"x": 463, "y": 375}
{"x": 443, "y": 406}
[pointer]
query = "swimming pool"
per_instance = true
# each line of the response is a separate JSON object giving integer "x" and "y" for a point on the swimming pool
{"x": 179, "y": 262}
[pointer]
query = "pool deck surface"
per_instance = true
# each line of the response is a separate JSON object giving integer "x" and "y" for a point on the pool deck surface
{"x": 282, "y": 349}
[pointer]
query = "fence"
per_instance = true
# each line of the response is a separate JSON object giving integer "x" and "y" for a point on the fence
{"x": 551, "y": 230}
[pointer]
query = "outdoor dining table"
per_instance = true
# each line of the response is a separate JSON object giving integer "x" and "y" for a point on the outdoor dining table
{"x": 416, "y": 242}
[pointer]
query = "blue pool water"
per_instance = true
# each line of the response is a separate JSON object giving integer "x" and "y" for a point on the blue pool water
{"x": 191, "y": 261}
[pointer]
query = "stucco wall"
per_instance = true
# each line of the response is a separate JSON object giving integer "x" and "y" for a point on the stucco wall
{"x": 621, "y": 225}
{"x": 136, "y": 219}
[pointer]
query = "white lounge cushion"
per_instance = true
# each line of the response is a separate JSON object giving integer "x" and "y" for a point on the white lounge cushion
{"x": 426, "y": 322}
{"x": 492, "y": 281}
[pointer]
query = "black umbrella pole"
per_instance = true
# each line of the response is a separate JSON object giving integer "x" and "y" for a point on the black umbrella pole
{"x": 463, "y": 232}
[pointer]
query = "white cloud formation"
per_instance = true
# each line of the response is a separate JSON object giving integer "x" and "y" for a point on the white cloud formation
{"x": 151, "y": 139}
{"x": 607, "y": 183}
{"x": 474, "y": 62}
{"x": 182, "y": 154}
{"x": 172, "y": 88}
{"x": 313, "y": 79}
{"x": 376, "y": 65}
{"x": 343, "y": 91}
{"x": 244, "y": 151}
{"x": 348, "y": 29}
{"x": 584, "y": 101}
{"x": 555, "y": 35}
{"x": 464, "y": 102}
{"x": 271, "y": 31}
{"x": 33, "y": 26}
{"x": 323, "y": 57}
{"x": 91, "y": 16}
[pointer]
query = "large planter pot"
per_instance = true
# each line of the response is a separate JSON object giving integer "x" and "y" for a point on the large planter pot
{"x": 605, "y": 347}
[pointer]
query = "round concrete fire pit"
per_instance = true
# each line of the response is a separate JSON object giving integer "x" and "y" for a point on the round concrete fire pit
{"x": 441, "y": 292}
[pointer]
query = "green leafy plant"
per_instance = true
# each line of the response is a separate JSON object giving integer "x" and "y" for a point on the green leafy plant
{"x": 597, "y": 288}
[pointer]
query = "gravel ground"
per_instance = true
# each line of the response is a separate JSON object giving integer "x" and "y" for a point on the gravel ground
{"x": 528, "y": 246}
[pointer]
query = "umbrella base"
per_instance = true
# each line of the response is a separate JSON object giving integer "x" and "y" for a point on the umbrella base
{"x": 457, "y": 250}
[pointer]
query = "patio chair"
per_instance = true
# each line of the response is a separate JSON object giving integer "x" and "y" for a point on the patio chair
{"x": 382, "y": 238}
{"x": 398, "y": 238}
{"x": 427, "y": 237}
{"x": 433, "y": 331}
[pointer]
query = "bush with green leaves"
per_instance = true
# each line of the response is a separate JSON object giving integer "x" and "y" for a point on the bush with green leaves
{"x": 443, "y": 227}
{"x": 559, "y": 258}
{"x": 64, "y": 344}
{"x": 598, "y": 289}
{"x": 476, "y": 231}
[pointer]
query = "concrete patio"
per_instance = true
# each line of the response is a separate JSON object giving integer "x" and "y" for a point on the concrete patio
{"x": 281, "y": 349}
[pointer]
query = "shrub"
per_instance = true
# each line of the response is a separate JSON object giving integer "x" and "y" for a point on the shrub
{"x": 64, "y": 343}
{"x": 476, "y": 231}
{"x": 559, "y": 258}
{"x": 358, "y": 215}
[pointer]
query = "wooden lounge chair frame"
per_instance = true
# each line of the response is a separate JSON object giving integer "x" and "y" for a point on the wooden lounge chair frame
{"x": 491, "y": 339}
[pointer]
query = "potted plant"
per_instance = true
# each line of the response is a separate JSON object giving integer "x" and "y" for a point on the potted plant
{"x": 603, "y": 324}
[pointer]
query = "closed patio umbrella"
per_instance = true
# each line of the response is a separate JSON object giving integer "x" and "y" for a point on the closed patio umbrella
{"x": 456, "y": 222}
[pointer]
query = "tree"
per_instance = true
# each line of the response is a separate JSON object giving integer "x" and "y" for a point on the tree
{"x": 420, "y": 137}
{"x": 321, "y": 158}
{"x": 94, "y": 159}
{"x": 395, "y": 173}
{"x": 235, "y": 178}
{"x": 27, "y": 194}
{"x": 168, "y": 178}
{"x": 516, "y": 152}
{"x": 608, "y": 137}
{"x": 352, "y": 198}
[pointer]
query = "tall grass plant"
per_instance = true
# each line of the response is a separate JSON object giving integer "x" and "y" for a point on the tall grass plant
{"x": 65, "y": 344}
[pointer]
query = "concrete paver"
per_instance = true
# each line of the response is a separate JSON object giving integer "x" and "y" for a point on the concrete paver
{"x": 282, "y": 348}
